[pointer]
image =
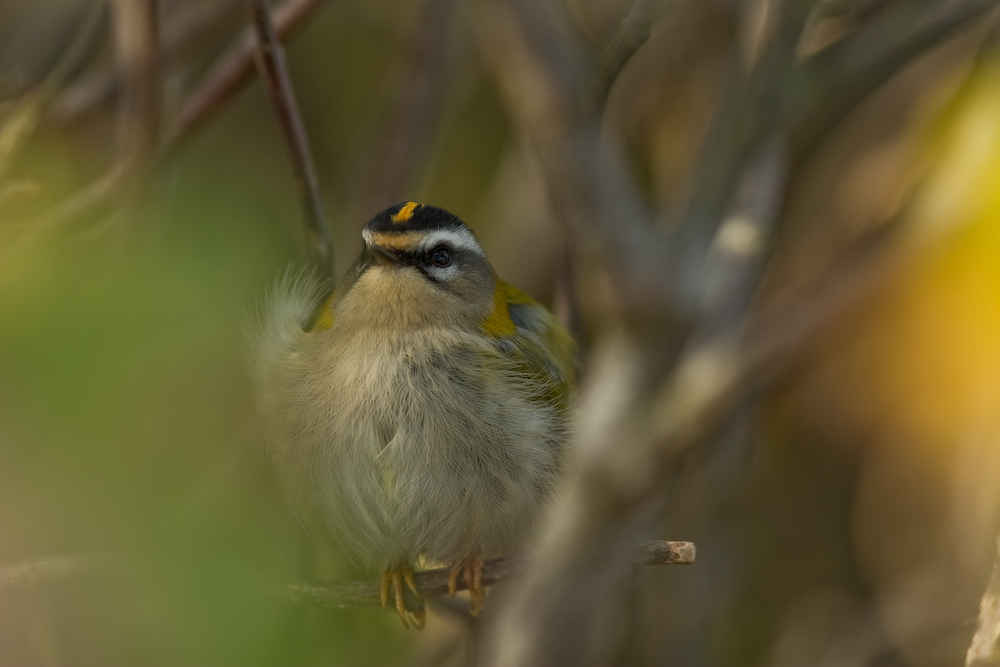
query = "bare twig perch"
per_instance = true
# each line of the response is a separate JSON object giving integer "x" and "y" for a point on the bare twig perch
{"x": 432, "y": 583}
{"x": 340, "y": 594}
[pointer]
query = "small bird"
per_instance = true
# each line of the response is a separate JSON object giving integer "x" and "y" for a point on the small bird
{"x": 416, "y": 411}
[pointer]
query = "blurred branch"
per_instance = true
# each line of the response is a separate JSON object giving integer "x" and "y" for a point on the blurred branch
{"x": 52, "y": 569}
{"x": 668, "y": 379}
{"x": 631, "y": 33}
{"x": 136, "y": 39}
{"x": 343, "y": 594}
{"x": 184, "y": 32}
{"x": 743, "y": 243}
{"x": 231, "y": 72}
{"x": 748, "y": 113}
{"x": 715, "y": 376}
{"x": 273, "y": 70}
{"x": 24, "y": 118}
{"x": 587, "y": 533}
{"x": 826, "y": 86}
{"x": 984, "y": 651}
{"x": 434, "y": 583}
{"x": 420, "y": 95}
{"x": 540, "y": 73}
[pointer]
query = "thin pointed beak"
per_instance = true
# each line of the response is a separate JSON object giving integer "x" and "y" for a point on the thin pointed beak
{"x": 386, "y": 256}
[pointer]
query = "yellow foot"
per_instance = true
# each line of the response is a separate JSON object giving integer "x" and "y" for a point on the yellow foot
{"x": 398, "y": 575}
{"x": 472, "y": 574}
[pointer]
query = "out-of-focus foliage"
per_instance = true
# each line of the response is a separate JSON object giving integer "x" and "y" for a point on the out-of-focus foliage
{"x": 861, "y": 529}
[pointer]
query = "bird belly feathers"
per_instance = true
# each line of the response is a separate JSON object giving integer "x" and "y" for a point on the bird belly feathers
{"x": 418, "y": 443}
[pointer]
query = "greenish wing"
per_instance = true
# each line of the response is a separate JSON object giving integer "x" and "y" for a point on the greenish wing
{"x": 545, "y": 347}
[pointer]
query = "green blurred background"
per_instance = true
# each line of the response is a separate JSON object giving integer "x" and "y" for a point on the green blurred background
{"x": 858, "y": 531}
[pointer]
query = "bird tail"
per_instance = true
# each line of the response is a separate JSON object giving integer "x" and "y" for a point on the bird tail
{"x": 277, "y": 326}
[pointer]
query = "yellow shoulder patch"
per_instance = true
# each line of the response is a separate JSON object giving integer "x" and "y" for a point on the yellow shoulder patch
{"x": 515, "y": 295}
{"x": 323, "y": 319}
{"x": 498, "y": 323}
{"x": 405, "y": 213}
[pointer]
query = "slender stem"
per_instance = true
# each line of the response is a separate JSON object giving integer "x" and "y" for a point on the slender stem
{"x": 273, "y": 70}
{"x": 184, "y": 35}
{"x": 230, "y": 73}
{"x": 632, "y": 33}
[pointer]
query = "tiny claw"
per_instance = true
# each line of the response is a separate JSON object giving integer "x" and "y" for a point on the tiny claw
{"x": 408, "y": 578}
{"x": 419, "y": 617}
{"x": 397, "y": 575}
{"x": 473, "y": 575}
{"x": 397, "y": 588}
{"x": 477, "y": 586}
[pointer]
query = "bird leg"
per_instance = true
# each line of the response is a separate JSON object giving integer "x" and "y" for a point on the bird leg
{"x": 398, "y": 575}
{"x": 472, "y": 573}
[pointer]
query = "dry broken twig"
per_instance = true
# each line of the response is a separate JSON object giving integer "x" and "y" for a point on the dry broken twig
{"x": 984, "y": 651}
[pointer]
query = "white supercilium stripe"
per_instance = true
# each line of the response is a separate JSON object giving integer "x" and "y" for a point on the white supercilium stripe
{"x": 461, "y": 239}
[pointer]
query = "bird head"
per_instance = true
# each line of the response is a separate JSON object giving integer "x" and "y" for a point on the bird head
{"x": 421, "y": 265}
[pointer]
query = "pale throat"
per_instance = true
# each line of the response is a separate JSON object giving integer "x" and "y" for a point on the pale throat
{"x": 399, "y": 299}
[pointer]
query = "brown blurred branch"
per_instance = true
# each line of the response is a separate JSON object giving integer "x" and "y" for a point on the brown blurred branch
{"x": 405, "y": 140}
{"x": 136, "y": 40}
{"x": 52, "y": 569}
{"x": 826, "y": 86}
{"x": 747, "y": 115}
{"x": 342, "y": 594}
{"x": 183, "y": 34}
{"x": 23, "y": 119}
{"x": 231, "y": 72}
{"x": 273, "y": 70}
{"x": 744, "y": 242}
{"x": 434, "y": 583}
{"x": 984, "y": 651}
{"x": 667, "y": 380}
{"x": 631, "y": 33}
{"x": 541, "y": 77}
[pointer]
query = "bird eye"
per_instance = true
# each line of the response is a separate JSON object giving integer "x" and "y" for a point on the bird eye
{"x": 441, "y": 256}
